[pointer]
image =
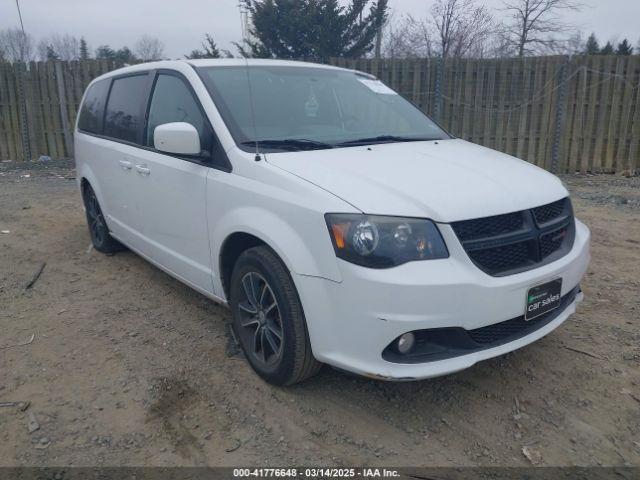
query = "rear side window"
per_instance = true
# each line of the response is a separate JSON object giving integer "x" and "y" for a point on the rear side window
{"x": 92, "y": 110}
{"x": 172, "y": 101}
{"x": 124, "y": 116}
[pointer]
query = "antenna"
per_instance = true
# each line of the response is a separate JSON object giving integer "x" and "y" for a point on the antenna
{"x": 20, "y": 15}
{"x": 253, "y": 111}
{"x": 244, "y": 24}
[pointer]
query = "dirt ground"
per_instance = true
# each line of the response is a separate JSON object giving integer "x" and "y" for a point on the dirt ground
{"x": 129, "y": 367}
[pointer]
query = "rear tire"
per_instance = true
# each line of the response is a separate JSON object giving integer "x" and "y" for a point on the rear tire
{"x": 98, "y": 230}
{"x": 268, "y": 319}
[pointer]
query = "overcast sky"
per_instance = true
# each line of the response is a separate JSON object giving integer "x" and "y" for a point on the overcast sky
{"x": 181, "y": 24}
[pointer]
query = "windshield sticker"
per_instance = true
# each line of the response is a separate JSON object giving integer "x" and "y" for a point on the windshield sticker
{"x": 377, "y": 86}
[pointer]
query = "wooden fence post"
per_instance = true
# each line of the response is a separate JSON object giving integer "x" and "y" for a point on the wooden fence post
{"x": 437, "y": 107}
{"x": 24, "y": 120}
{"x": 560, "y": 115}
{"x": 64, "y": 114}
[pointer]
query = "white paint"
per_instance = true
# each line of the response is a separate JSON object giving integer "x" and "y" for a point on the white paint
{"x": 177, "y": 137}
{"x": 377, "y": 86}
{"x": 179, "y": 215}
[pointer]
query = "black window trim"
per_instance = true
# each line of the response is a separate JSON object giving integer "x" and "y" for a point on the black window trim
{"x": 104, "y": 107}
{"x": 140, "y": 128}
{"x": 218, "y": 151}
{"x": 224, "y": 164}
{"x": 216, "y": 96}
{"x": 218, "y": 101}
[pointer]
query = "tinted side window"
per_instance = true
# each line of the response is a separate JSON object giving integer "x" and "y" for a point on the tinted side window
{"x": 124, "y": 116}
{"x": 92, "y": 109}
{"x": 172, "y": 101}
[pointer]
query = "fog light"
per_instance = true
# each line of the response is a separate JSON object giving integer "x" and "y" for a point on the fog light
{"x": 405, "y": 342}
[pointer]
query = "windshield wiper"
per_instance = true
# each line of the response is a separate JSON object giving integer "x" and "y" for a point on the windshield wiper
{"x": 382, "y": 139}
{"x": 294, "y": 144}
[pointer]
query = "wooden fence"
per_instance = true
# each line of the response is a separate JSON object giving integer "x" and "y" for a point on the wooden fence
{"x": 38, "y": 106}
{"x": 565, "y": 114}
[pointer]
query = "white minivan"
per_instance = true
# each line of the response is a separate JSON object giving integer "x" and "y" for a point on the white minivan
{"x": 339, "y": 223}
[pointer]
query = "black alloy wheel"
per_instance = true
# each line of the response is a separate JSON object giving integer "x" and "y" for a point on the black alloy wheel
{"x": 98, "y": 229}
{"x": 268, "y": 319}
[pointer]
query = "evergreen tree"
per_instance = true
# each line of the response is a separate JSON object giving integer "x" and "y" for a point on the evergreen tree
{"x": 313, "y": 29}
{"x": 105, "y": 52}
{"x": 209, "y": 49}
{"x": 592, "y": 47}
{"x": 624, "y": 48}
{"x": 607, "y": 49}
{"x": 51, "y": 53}
{"x": 194, "y": 55}
{"x": 125, "y": 55}
{"x": 84, "y": 49}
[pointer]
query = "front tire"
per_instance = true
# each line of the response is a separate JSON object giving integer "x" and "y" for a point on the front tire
{"x": 100, "y": 237}
{"x": 268, "y": 319}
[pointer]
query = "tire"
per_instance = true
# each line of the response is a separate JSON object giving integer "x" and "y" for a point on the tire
{"x": 98, "y": 230}
{"x": 274, "y": 339}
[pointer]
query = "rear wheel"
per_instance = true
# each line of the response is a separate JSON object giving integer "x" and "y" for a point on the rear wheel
{"x": 100, "y": 236}
{"x": 268, "y": 319}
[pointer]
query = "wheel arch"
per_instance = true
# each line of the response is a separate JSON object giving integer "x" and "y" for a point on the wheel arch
{"x": 86, "y": 176}
{"x": 232, "y": 247}
{"x": 84, "y": 183}
{"x": 303, "y": 251}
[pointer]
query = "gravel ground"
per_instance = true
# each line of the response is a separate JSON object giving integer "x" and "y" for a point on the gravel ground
{"x": 129, "y": 367}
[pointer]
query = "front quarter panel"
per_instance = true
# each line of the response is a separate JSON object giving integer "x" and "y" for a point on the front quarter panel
{"x": 285, "y": 212}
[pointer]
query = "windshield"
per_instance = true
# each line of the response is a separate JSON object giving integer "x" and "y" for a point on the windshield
{"x": 296, "y": 108}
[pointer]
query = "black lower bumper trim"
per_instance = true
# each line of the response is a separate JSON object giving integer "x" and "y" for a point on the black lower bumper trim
{"x": 443, "y": 343}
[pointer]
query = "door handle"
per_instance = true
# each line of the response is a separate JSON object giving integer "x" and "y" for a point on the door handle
{"x": 142, "y": 169}
{"x": 126, "y": 165}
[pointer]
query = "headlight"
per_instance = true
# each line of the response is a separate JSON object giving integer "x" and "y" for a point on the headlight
{"x": 382, "y": 242}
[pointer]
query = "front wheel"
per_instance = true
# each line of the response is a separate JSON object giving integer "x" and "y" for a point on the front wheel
{"x": 268, "y": 319}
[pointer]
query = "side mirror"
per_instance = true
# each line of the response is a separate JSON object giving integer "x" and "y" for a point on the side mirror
{"x": 177, "y": 137}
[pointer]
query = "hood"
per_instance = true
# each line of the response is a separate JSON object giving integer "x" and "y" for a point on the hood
{"x": 446, "y": 181}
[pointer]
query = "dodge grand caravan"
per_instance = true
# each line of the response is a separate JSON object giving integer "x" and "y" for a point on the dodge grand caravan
{"x": 338, "y": 222}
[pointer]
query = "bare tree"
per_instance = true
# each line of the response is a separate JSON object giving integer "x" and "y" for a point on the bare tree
{"x": 454, "y": 28}
{"x": 408, "y": 38}
{"x": 17, "y": 46}
{"x": 149, "y": 48}
{"x": 66, "y": 46}
{"x": 43, "y": 49}
{"x": 59, "y": 47}
{"x": 461, "y": 26}
{"x": 497, "y": 45}
{"x": 535, "y": 24}
{"x": 573, "y": 45}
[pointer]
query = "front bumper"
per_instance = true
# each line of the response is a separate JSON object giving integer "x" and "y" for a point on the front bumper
{"x": 352, "y": 322}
